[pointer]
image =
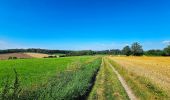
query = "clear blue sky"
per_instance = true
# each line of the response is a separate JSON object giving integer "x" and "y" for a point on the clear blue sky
{"x": 84, "y": 24}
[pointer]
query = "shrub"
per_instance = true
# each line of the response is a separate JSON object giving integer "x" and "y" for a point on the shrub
{"x": 12, "y": 58}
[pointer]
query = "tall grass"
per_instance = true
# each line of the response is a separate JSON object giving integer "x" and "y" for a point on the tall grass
{"x": 11, "y": 91}
{"x": 73, "y": 83}
{"x": 34, "y": 72}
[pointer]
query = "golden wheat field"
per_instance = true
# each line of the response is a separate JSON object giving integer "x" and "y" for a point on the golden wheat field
{"x": 156, "y": 69}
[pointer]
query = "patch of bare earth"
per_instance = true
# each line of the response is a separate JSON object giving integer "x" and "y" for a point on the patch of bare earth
{"x": 18, "y": 55}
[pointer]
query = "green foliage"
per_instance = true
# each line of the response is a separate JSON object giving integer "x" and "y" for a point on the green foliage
{"x": 167, "y": 50}
{"x": 154, "y": 53}
{"x": 164, "y": 52}
{"x": 34, "y": 50}
{"x": 110, "y": 52}
{"x": 126, "y": 51}
{"x": 80, "y": 53}
{"x": 136, "y": 49}
{"x": 12, "y": 58}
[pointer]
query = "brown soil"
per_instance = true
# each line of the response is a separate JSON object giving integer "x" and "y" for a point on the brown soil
{"x": 18, "y": 55}
{"x": 22, "y": 55}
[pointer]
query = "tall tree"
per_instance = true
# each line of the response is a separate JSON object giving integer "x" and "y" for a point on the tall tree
{"x": 167, "y": 50}
{"x": 136, "y": 49}
{"x": 126, "y": 51}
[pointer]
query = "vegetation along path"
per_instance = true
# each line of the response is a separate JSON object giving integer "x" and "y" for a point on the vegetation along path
{"x": 107, "y": 85}
{"x": 123, "y": 82}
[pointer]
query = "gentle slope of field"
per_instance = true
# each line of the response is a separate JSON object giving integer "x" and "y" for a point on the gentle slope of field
{"x": 149, "y": 77}
{"x": 59, "y": 78}
{"x": 118, "y": 78}
{"x": 71, "y": 84}
{"x": 33, "y": 70}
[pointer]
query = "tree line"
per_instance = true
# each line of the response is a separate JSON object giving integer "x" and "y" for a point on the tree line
{"x": 34, "y": 50}
{"x": 135, "y": 49}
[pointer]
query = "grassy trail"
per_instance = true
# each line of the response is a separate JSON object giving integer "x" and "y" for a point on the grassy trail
{"x": 107, "y": 85}
{"x": 124, "y": 84}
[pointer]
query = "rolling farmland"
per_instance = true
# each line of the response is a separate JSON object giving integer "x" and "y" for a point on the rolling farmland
{"x": 85, "y": 77}
{"x": 84, "y": 49}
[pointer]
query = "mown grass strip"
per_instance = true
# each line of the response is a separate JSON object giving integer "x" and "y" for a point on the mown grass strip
{"x": 107, "y": 86}
{"x": 124, "y": 84}
{"x": 143, "y": 88}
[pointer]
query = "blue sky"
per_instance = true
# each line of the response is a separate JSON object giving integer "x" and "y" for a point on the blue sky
{"x": 84, "y": 24}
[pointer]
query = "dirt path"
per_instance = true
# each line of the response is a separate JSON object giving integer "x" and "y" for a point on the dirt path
{"x": 122, "y": 81}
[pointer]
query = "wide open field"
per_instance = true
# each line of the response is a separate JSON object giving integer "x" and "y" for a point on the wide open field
{"x": 59, "y": 78}
{"x": 149, "y": 77}
{"x": 144, "y": 78}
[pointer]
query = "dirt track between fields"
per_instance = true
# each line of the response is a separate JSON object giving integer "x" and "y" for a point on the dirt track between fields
{"x": 124, "y": 84}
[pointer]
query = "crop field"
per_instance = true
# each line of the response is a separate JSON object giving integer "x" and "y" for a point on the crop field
{"x": 45, "y": 78}
{"x": 37, "y": 55}
{"x": 149, "y": 77}
{"x": 86, "y": 78}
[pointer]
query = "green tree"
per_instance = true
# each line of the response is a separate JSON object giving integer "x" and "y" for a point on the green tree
{"x": 136, "y": 49}
{"x": 126, "y": 51}
{"x": 167, "y": 50}
{"x": 154, "y": 53}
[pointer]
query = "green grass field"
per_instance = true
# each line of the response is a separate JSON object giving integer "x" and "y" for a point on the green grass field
{"x": 34, "y": 71}
{"x": 37, "y": 76}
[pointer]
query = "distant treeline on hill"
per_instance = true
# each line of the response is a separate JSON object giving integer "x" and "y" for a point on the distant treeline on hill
{"x": 34, "y": 50}
{"x": 135, "y": 49}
